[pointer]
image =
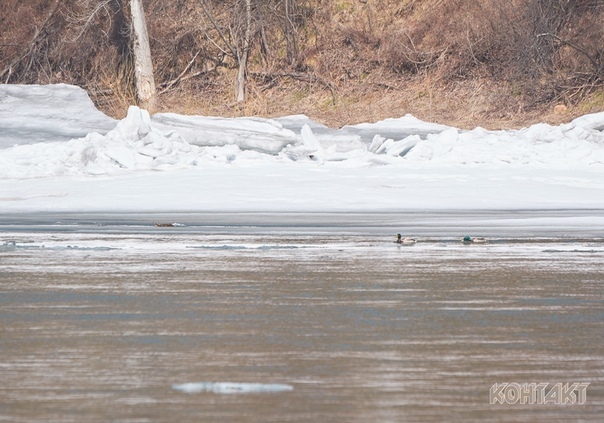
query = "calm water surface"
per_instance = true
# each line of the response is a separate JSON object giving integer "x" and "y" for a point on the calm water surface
{"x": 100, "y": 327}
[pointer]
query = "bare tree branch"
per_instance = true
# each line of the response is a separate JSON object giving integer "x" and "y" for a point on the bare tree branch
{"x": 181, "y": 76}
{"x": 103, "y": 5}
{"x": 32, "y": 45}
{"x": 217, "y": 28}
{"x": 576, "y": 47}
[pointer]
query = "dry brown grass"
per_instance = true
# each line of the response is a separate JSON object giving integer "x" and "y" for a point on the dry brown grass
{"x": 466, "y": 105}
{"x": 458, "y": 62}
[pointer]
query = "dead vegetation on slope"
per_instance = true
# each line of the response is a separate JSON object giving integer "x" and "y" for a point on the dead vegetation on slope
{"x": 461, "y": 62}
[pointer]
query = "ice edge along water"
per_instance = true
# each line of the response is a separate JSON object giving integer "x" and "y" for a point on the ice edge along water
{"x": 59, "y": 153}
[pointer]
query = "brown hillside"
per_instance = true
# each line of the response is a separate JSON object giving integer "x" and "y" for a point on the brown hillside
{"x": 460, "y": 62}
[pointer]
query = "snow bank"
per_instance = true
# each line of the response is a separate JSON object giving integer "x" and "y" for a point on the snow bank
{"x": 140, "y": 142}
{"x": 57, "y": 152}
{"x": 132, "y": 145}
{"x": 42, "y": 117}
{"x": 578, "y": 144}
{"x": 48, "y": 113}
{"x": 396, "y": 129}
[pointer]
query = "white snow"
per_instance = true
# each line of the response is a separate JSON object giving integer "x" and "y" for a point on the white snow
{"x": 43, "y": 113}
{"x": 59, "y": 153}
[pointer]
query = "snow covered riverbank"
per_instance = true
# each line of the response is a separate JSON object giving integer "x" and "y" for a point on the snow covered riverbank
{"x": 58, "y": 153}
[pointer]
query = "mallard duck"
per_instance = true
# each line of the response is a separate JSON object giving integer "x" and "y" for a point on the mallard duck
{"x": 476, "y": 240}
{"x": 405, "y": 240}
{"x": 168, "y": 225}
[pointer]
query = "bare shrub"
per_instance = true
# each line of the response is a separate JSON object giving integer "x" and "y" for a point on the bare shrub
{"x": 544, "y": 47}
{"x": 532, "y": 52}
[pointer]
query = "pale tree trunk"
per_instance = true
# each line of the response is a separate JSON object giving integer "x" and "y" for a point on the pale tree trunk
{"x": 143, "y": 66}
{"x": 243, "y": 57}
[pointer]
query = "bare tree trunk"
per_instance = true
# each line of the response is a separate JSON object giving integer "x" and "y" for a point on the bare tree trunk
{"x": 290, "y": 35}
{"x": 243, "y": 57}
{"x": 143, "y": 66}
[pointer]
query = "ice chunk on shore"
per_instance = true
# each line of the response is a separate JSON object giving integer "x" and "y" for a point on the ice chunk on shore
{"x": 262, "y": 135}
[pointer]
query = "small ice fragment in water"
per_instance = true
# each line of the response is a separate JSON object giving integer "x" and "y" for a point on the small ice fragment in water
{"x": 231, "y": 387}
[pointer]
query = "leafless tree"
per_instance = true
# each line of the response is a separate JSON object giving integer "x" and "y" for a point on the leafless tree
{"x": 243, "y": 54}
{"x": 143, "y": 64}
{"x": 291, "y": 37}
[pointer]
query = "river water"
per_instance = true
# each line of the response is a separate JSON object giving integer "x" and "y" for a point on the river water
{"x": 110, "y": 322}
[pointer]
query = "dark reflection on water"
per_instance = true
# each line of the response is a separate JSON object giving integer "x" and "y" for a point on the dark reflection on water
{"x": 100, "y": 327}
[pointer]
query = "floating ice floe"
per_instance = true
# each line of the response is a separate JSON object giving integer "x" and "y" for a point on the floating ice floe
{"x": 232, "y": 387}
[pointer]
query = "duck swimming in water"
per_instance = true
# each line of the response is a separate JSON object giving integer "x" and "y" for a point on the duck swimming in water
{"x": 476, "y": 240}
{"x": 405, "y": 240}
